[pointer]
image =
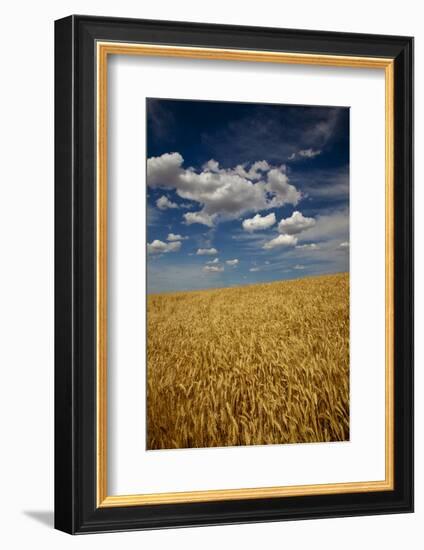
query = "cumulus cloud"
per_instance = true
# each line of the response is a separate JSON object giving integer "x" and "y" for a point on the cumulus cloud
{"x": 211, "y": 166}
{"x": 233, "y": 263}
{"x": 163, "y": 203}
{"x": 160, "y": 247}
{"x": 213, "y": 269}
{"x": 281, "y": 241}
{"x": 173, "y": 237}
{"x": 278, "y": 184}
{"x": 199, "y": 217}
{"x": 254, "y": 172}
{"x": 259, "y": 222}
{"x": 298, "y": 266}
{"x": 295, "y": 224}
{"x": 214, "y": 261}
{"x": 344, "y": 245}
{"x": 253, "y": 269}
{"x": 164, "y": 170}
{"x": 222, "y": 193}
{"x": 207, "y": 251}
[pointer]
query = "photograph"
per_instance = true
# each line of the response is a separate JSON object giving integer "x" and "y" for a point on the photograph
{"x": 233, "y": 269}
{"x": 248, "y": 325}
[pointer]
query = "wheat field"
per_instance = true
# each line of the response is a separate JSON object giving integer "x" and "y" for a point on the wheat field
{"x": 252, "y": 365}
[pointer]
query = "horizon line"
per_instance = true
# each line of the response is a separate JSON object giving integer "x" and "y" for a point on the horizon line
{"x": 232, "y": 287}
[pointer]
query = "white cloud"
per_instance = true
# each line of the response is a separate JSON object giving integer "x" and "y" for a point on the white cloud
{"x": 305, "y": 153}
{"x": 295, "y": 224}
{"x": 309, "y": 153}
{"x": 298, "y": 266}
{"x": 172, "y": 237}
{"x": 278, "y": 184}
{"x": 206, "y": 251}
{"x": 213, "y": 269}
{"x": 159, "y": 247}
{"x": 233, "y": 263}
{"x": 259, "y": 222}
{"x": 164, "y": 203}
{"x": 255, "y": 171}
{"x": 214, "y": 261}
{"x": 164, "y": 170}
{"x": 211, "y": 166}
{"x": 344, "y": 245}
{"x": 281, "y": 240}
{"x": 222, "y": 193}
{"x": 199, "y": 217}
{"x": 311, "y": 246}
{"x": 253, "y": 269}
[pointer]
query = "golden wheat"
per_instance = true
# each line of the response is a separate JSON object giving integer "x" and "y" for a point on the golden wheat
{"x": 253, "y": 365}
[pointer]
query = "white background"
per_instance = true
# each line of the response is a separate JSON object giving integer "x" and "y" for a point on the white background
{"x": 26, "y": 289}
{"x": 131, "y": 468}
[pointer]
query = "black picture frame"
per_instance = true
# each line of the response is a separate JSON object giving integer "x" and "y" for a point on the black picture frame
{"x": 76, "y": 510}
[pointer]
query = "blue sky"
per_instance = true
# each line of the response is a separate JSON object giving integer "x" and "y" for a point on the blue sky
{"x": 242, "y": 193}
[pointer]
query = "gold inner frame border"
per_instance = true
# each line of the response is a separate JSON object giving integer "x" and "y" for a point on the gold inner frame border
{"x": 103, "y": 50}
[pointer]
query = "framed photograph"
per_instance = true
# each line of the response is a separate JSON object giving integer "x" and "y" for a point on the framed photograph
{"x": 234, "y": 274}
